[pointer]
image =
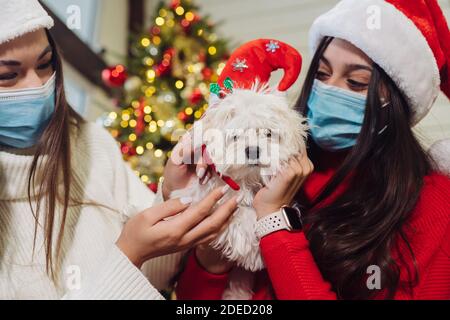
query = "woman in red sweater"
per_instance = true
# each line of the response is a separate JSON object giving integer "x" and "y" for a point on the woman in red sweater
{"x": 376, "y": 216}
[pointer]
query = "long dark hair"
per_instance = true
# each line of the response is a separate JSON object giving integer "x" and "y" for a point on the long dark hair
{"x": 55, "y": 145}
{"x": 366, "y": 223}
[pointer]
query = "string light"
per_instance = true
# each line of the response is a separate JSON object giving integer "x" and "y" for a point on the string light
{"x": 179, "y": 10}
{"x": 189, "y": 16}
{"x": 151, "y": 74}
{"x": 145, "y": 42}
{"x": 113, "y": 115}
{"x": 149, "y": 146}
{"x": 148, "y": 118}
{"x": 156, "y": 40}
{"x": 198, "y": 114}
{"x": 140, "y": 150}
{"x": 133, "y": 123}
{"x": 159, "y": 21}
{"x": 147, "y": 109}
{"x": 179, "y": 84}
{"x": 212, "y": 50}
{"x": 149, "y": 61}
{"x": 160, "y": 123}
{"x": 163, "y": 13}
{"x": 152, "y": 127}
{"x": 158, "y": 153}
{"x": 132, "y": 137}
{"x": 189, "y": 111}
{"x": 170, "y": 23}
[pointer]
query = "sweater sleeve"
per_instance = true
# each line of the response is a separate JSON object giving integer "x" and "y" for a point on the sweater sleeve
{"x": 195, "y": 283}
{"x": 132, "y": 196}
{"x": 298, "y": 277}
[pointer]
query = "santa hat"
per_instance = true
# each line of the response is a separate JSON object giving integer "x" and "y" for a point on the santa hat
{"x": 409, "y": 39}
{"x": 19, "y": 17}
{"x": 253, "y": 64}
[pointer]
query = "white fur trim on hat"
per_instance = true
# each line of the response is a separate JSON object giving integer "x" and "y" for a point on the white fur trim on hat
{"x": 440, "y": 152}
{"x": 397, "y": 46}
{"x": 19, "y": 17}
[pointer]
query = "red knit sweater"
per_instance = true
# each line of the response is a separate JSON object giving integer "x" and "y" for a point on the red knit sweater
{"x": 298, "y": 276}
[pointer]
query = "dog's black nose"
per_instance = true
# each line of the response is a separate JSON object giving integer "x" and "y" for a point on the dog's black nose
{"x": 252, "y": 153}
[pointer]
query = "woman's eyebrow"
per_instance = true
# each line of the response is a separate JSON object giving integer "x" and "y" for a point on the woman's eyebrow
{"x": 9, "y": 63}
{"x": 325, "y": 60}
{"x": 46, "y": 50}
{"x": 15, "y": 63}
{"x": 354, "y": 67}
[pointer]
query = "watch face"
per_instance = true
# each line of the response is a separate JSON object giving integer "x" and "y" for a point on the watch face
{"x": 293, "y": 215}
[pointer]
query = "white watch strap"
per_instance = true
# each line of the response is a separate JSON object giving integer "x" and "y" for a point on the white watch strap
{"x": 271, "y": 223}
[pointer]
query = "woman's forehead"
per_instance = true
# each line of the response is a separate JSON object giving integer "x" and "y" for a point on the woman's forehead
{"x": 343, "y": 52}
{"x": 28, "y": 46}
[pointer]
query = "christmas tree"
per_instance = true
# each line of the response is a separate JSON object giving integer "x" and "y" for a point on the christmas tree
{"x": 165, "y": 85}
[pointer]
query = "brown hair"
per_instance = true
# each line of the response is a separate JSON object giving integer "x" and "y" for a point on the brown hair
{"x": 55, "y": 145}
{"x": 366, "y": 223}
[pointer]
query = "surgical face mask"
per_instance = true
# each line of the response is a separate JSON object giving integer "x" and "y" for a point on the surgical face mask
{"x": 335, "y": 116}
{"x": 25, "y": 113}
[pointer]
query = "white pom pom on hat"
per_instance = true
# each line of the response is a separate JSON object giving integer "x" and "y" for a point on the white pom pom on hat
{"x": 19, "y": 17}
{"x": 440, "y": 152}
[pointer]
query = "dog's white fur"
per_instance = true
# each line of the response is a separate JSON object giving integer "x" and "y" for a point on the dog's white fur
{"x": 246, "y": 110}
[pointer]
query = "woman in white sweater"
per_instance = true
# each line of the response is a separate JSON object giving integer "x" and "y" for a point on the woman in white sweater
{"x": 75, "y": 221}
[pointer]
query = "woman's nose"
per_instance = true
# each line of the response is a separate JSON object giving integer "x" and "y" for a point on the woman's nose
{"x": 336, "y": 81}
{"x": 32, "y": 80}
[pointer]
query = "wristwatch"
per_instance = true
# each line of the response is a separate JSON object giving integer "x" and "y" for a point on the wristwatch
{"x": 287, "y": 218}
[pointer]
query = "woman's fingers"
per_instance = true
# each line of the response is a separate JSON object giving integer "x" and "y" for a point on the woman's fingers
{"x": 196, "y": 213}
{"x": 166, "y": 209}
{"x": 214, "y": 224}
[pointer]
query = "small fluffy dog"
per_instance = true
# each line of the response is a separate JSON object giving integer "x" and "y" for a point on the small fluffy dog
{"x": 248, "y": 135}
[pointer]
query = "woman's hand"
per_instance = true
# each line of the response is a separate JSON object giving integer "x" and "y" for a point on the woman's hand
{"x": 180, "y": 169}
{"x": 148, "y": 235}
{"x": 284, "y": 186}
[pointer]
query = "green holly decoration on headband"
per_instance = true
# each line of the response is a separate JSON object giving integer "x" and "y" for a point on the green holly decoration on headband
{"x": 216, "y": 89}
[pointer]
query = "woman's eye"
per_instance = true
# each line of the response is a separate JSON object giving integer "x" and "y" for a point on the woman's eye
{"x": 8, "y": 76}
{"x": 321, "y": 75}
{"x": 45, "y": 65}
{"x": 356, "y": 84}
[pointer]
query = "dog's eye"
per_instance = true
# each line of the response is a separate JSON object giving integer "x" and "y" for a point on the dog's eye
{"x": 269, "y": 133}
{"x": 235, "y": 138}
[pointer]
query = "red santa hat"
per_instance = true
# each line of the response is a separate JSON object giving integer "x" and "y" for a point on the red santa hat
{"x": 254, "y": 62}
{"x": 19, "y": 17}
{"x": 409, "y": 39}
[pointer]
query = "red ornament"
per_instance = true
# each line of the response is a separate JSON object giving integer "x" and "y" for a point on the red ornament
{"x": 153, "y": 186}
{"x": 207, "y": 73}
{"x": 183, "y": 116}
{"x": 115, "y": 76}
{"x": 196, "y": 96}
{"x": 140, "y": 126}
{"x": 164, "y": 67}
{"x": 155, "y": 30}
{"x": 175, "y": 4}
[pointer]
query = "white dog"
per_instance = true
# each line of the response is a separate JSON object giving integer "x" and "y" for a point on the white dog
{"x": 249, "y": 135}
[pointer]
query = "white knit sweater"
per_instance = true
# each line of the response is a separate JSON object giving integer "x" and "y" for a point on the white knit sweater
{"x": 92, "y": 267}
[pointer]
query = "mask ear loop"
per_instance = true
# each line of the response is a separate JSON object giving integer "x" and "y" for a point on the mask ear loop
{"x": 385, "y": 105}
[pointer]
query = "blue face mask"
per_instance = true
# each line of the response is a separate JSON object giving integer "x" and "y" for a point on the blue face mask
{"x": 25, "y": 113}
{"x": 335, "y": 116}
